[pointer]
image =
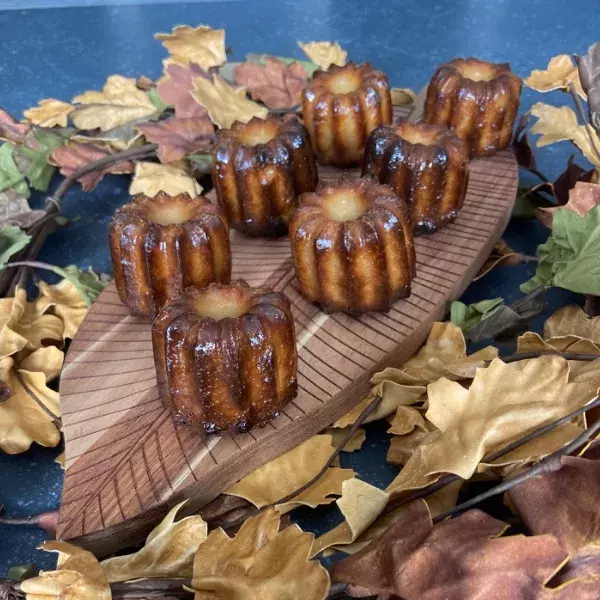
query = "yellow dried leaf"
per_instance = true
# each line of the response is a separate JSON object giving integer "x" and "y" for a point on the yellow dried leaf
{"x": 79, "y": 576}
{"x": 203, "y": 46}
{"x": 357, "y": 439}
{"x": 406, "y": 419}
{"x": 168, "y": 552}
{"x": 572, "y": 320}
{"x": 560, "y": 73}
{"x": 151, "y": 178}
{"x": 225, "y": 104}
{"x": 48, "y": 360}
{"x": 324, "y": 54}
{"x": 402, "y": 447}
{"x": 119, "y": 102}
{"x": 259, "y": 563}
{"x": 290, "y": 471}
{"x": 503, "y": 402}
{"x": 68, "y": 304}
{"x": 402, "y": 96}
{"x": 60, "y": 460}
{"x": 533, "y": 342}
{"x": 50, "y": 113}
{"x": 361, "y": 504}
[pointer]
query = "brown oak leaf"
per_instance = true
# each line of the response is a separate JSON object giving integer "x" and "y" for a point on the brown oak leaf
{"x": 175, "y": 87}
{"x": 276, "y": 84}
{"x": 177, "y": 137}
{"x": 11, "y": 130}
{"x": 74, "y": 155}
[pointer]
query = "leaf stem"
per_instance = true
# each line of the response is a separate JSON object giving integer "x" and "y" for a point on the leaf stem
{"x": 586, "y": 124}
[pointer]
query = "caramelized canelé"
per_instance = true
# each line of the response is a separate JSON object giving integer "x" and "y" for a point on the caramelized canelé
{"x": 259, "y": 170}
{"x": 161, "y": 245}
{"x": 225, "y": 356}
{"x": 352, "y": 246}
{"x": 478, "y": 100}
{"x": 341, "y": 106}
{"x": 425, "y": 164}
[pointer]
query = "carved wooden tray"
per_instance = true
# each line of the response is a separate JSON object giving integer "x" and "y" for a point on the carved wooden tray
{"x": 126, "y": 460}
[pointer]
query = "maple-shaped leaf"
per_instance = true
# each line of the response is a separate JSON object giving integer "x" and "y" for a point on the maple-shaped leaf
{"x": 11, "y": 130}
{"x": 277, "y": 84}
{"x": 177, "y": 137}
{"x": 152, "y": 178}
{"x": 50, "y": 113}
{"x": 202, "y": 45}
{"x": 560, "y": 73}
{"x": 175, "y": 88}
{"x": 75, "y": 155}
{"x": 324, "y": 54}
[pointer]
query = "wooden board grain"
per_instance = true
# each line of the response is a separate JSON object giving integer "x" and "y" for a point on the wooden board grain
{"x": 125, "y": 459}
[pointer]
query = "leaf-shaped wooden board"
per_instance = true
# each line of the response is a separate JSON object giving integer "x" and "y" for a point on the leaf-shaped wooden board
{"x": 126, "y": 460}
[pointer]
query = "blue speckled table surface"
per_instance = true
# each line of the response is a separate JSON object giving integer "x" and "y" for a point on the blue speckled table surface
{"x": 61, "y": 52}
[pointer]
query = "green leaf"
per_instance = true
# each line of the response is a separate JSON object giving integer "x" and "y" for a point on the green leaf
{"x": 12, "y": 239}
{"x": 467, "y": 317}
{"x": 22, "y": 572}
{"x": 87, "y": 282}
{"x": 156, "y": 99}
{"x": 570, "y": 258}
{"x": 202, "y": 159}
{"x": 10, "y": 176}
{"x": 307, "y": 64}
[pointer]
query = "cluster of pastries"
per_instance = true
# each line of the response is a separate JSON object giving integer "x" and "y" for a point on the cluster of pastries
{"x": 225, "y": 352}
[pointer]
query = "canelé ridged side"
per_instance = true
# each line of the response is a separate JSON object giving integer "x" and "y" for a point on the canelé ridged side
{"x": 482, "y": 112}
{"x": 230, "y": 374}
{"x": 153, "y": 262}
{"x": 427, "y": 165}
{"x": 339, "y": 123}
{"x": 258, "y": 185}
{"x": 359, "y": 265}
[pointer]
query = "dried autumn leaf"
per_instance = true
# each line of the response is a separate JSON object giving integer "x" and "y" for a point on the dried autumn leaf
{"x": 202, "y": 45}
{"x": 175, "y": 88}
{"x": 277, "y": 84}
{"x": 168, "y": 552}
{"x": 572, "y": 320}
{"x": 79, "y": 576}
{"x": 177, "y": 137}
{"x": 74, "y": 155}
{"x": 60, "y": 460}
{"x": 11, "y": 130}
{"x": 402, "y": 447}
{"x": 504, "y": 402}
{"x": 406, "y": 419}
{"x": 47, "y": 360}
{"x": 15, "y": 210}
{"x": 560, "y": 73}
{"x": 151, "y": 178}
{"x": 501, "y": 254}
{"x": 357, "y": 439}
{"x": 533, "y": 342}
{"x": 50, "y": 113}
{"x": 582, "y": 198}
{"x": 290, "y": 471}
{"x": 259, "y": 563}
{"x": 226, "y": 104}
{"x": 324, "y": 54}
{"x": 119, "y": 103}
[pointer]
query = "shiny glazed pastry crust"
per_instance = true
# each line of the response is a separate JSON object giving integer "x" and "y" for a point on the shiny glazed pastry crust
{"x": 161, "y": 245}
{"x": 259, "y": 170}
{"x": 427, "y": 165}
{"x": 352, "y": 246}
{"x": 341, "y": 106}
{"x": 478, "y": 100}
{"x": 226, "y": 356}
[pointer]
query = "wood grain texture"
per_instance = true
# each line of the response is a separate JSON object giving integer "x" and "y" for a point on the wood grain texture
{"x": 124, "y": 456}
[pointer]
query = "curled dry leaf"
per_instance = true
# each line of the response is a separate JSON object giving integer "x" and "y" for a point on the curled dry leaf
{"x": 202, "y": 45}
{"x": 175, "y": 88}
{"x": 275, "y": 83}
{"x": 501, "y": 254}
{"x": 60, "y": 460}
{"x": 324, "y": 54}
{"x": 560, "y": 73}
{"x": 402, "y": 447}
{"x": 50, "y": 113}
{"x": 78, "y": 576}
{"x": 11, "y": 130}
{"x": 259, "y": 563}
{"x": 290, "y": 471}
{"x": 226, "y": 104}
{"x": 168, "y": 552}
{"x": 48, "y": 360}
{"x": 533, "y": 342}
{"x": 15, "y": 210}
{"x": 406, "y": 420}
{"x": 356, "y": 441}
{"x": 572, "y": 320}
{"x": 177, "y": 137}
{"x": 582, "y": 198}
{"x": 151, "y": 178}
{"x": 119, "y": 103}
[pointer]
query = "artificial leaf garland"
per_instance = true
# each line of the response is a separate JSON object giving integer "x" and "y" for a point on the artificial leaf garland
{"x": 201, "y": 45}
{"x": 50, "y": 113}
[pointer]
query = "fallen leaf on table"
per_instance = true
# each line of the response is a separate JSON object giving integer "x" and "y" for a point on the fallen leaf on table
{"x": 15, "y": 210}
{"x": 402, "y": 96}
{"x": 560, "y": 73}
{"x": 50, "y": 113}
{"x": 290, "y": 471}
{"x": 175, "y": 88}
{"x": 11, "y": 130}
{"x": 75, "y": 155}
{"x": 459, "y": 559}
{"x": 357, "y": 439}
{"x": 78, "y": 576}
{"x": 177, "y": 137}
{"x": 151, "y": 178}
{"x": 324, "y": 54}
{"x": 504, "y": 402}
{"x": 47, "y": 360}
{"x": 226, "y": 104}
{"x": 10, "y": 176}
{"x": 202, "y": 45}
{"x": 501, "y": 254}
{"x": 277, "y": 84}
{"x": 572, "y": 320}
{"x": 259, "y": 563}
{"x": 119, "y": 102}
{"x": 12, "y": 239}
{"x": 168, "y": 552}
{"x": 533, "y": 342}
{"x": 582, "y": 198}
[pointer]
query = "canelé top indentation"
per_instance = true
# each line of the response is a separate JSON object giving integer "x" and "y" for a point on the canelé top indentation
{"x": 476, "y": 70}
{"x": 257, "y": 132}
{"x": 345, "y": 204}
{"x": 219, "y": 302}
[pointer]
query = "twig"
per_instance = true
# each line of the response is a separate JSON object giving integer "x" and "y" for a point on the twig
{"x": 536, "y": 354}
{"x": 583, "y": 117}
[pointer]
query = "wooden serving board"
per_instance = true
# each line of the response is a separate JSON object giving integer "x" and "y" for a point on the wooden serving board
{"x": 125, "y": 459}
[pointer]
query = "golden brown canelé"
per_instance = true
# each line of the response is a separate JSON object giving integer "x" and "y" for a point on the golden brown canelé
{"x": 225, "y": 356}
{"x": 259, "y": 170}
{"x": 478, "y": 100}
{"x": 341, "y": 106}
{"x": 352, "y": 246}
{"x": 427, "y": 165}
{"x": 161, "y": 245}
